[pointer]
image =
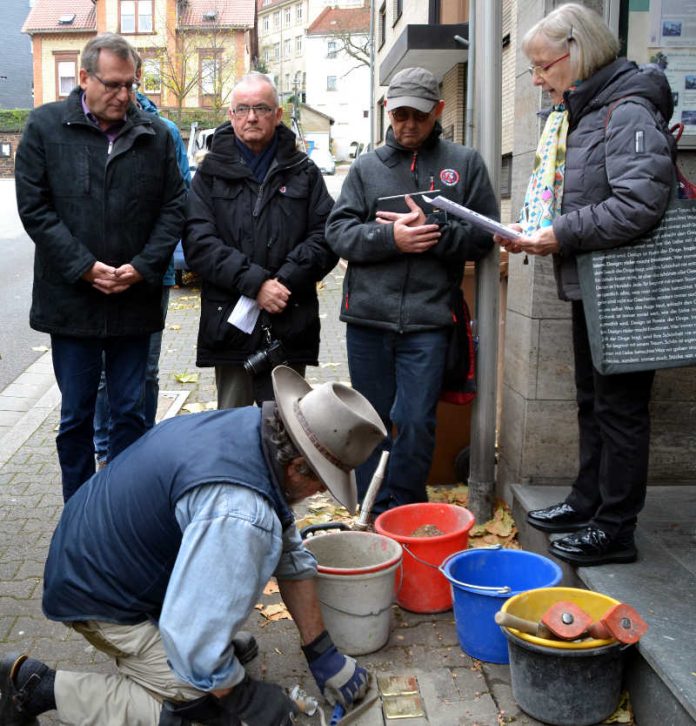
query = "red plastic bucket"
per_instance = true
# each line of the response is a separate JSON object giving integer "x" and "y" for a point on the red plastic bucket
{"x": 424, "y": 589}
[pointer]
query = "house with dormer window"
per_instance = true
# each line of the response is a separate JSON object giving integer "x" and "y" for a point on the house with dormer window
{"x": 192, "y": 50}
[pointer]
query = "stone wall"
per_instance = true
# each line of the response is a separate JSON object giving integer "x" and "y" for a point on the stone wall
{"x": 8, "y": 144}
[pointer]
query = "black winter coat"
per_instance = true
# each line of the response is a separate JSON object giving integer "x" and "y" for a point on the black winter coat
{"x": 240, "y": 233}
{"x": 83, "y": 201}
{"x": 619, "y": 170}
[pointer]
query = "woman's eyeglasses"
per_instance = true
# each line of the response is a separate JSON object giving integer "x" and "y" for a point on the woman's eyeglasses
{"x": 541, "y": 70}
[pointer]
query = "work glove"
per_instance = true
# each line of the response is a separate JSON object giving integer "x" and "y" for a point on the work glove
{"x": 257, "y": 703}
{"x": 339, "y": 677}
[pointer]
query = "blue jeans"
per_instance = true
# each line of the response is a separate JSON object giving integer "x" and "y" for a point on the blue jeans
{"x": 401, "y": 375}
{"x": 77, "y": 363}
{"x": 102, "y": 414}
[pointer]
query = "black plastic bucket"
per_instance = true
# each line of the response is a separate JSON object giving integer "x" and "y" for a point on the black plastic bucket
{"x": 565, "y": 687}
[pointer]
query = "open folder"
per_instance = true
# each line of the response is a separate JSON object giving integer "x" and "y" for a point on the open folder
{"x": 458, "y": 210}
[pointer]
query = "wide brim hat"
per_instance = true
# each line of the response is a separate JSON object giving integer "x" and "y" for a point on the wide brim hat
{"x": 334, "y": 427}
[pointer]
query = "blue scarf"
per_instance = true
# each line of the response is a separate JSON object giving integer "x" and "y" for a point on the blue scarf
{"x": 258, "y": 163}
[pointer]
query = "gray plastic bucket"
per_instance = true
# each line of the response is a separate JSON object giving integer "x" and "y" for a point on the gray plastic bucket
{"x": 355, "y": 585}
{"x": 565, "y": 687}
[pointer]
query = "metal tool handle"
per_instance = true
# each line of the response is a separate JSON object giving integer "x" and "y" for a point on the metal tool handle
{"x": 312, "y": 528}
{"x": 500, "y": 589}
{"x": 371, "y": 493}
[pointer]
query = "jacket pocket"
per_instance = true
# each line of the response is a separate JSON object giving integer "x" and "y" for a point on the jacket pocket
{"x": 215, "y": 332}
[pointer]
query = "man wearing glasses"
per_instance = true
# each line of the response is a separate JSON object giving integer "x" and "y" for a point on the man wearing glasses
{"x": 100, "y": 194}
{"x": 403, "y": 266}
{"x": 255, "y": 234}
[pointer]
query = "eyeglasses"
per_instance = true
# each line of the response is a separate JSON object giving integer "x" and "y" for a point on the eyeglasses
{"x": 403, "y": 114}
{"x": 261, "y": 110}
{"x": 541, "y": 70}
{"x": 115, "y": 86}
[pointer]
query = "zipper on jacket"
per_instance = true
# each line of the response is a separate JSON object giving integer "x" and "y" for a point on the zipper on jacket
{"x": 257, "y": 206}
{"x": 414, "y": 167}
{"x": 110, "y": 149}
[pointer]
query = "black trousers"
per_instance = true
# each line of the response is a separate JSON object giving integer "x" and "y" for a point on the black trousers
{"x": 614, "y": 424}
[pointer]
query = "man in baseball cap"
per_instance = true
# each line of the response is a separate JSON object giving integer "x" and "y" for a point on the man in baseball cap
{"x": 160, "y": 558}
{"x": 405, "y": 265}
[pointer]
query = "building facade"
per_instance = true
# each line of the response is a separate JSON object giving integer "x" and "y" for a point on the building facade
{"x": 192, "y": 50}
{"x": 338, "y": 74}
{"x": 15, "y": 58}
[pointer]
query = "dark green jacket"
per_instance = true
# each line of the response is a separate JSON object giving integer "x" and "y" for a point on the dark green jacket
{"x": 81, "y": 202}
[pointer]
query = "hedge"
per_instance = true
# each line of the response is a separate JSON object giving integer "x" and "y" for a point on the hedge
{"x": 12, "y": 120}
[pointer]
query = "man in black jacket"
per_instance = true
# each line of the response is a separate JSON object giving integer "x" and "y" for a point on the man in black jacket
{"x": 402, "y": 270}
{"x": 255, "y": 234}
{"x": 102, "y": 244}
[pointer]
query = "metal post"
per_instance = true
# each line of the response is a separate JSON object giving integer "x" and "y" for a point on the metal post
{"x": 371, "y": 112}
{"x": 470, "y": 68}
{"x": 488, "y": 125}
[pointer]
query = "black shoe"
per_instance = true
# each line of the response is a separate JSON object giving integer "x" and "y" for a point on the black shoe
{"x": 593, "y": 546}
{"x": 11, "y": 699}
{"x": 557, "y": 518}
{"x": 245, "y": 647}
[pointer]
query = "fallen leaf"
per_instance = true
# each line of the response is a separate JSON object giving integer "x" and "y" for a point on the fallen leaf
{"x": 271, "y": 588}
{"x": 40, "y": 348}
{"x": 194, "y": 407}
{"x": 186, "y": 377}
{"x": 174, "y": 327}
{"x": 275, "y": 612}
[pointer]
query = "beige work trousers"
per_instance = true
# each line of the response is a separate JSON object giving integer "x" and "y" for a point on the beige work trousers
{"x": 133, "y": 696}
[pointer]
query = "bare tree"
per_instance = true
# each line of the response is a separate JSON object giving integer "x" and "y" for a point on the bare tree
{"x": 355, "y": 45}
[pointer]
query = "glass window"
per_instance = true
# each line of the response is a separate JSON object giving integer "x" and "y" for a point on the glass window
{"x": 136, "y": 16}
{"x": 276, "y": 51}
{"x": 287, "y": 17}
{"x": 287, "y": 48}
{"x": 298, "y": 45}
{"x": 128, "y": 16}
{"x": 266, "y": 55}
{"x": 152, "y": 76}
{"x": 276, "y": 19}
{"x": 331, "y": 47}
{"x": 210, "y": 74}
{"x": 145, "y": 16}
{"x": 66, "y": 77}
{"x": 299, "y": 13}
{"x": 266, "y": 22}
{"x": 330, "y": 83}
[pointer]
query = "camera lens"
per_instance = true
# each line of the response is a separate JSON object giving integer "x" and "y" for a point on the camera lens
{"x": 256, "y": 363}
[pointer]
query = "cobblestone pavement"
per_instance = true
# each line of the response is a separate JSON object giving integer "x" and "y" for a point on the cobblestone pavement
{"x": 455, "y": 689}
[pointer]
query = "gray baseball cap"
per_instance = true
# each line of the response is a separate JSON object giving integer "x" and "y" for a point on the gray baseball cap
{"x": 415, "y": 88}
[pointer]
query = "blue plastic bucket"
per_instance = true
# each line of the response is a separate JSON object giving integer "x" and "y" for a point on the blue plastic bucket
{"x": 481, "y": 580}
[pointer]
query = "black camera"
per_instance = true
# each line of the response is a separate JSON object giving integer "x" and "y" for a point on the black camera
{"x": 266, "y": 359}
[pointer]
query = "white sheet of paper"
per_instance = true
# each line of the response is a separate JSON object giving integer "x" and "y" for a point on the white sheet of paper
{"x": 244, "y": 314}
{"x": 458, "y": 210}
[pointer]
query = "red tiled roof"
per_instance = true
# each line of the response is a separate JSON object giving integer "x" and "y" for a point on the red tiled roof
{"x": 43, "y": 17}
{"x": 341, "y": 20}
{"x": 230, "y": 13}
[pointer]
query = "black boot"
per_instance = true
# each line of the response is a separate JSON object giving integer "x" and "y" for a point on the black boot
{"x": 558, "y": 518}
{"x": 593, "y": 546}
{"x": 26, "y": 690}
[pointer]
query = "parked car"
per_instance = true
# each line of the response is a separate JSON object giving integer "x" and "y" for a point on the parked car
{"x": 324, "y": 160}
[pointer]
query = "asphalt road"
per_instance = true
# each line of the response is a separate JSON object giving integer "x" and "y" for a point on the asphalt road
{"x": 17, "y": 339}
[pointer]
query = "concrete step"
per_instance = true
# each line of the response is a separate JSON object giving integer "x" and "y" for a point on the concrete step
{"x": 661, "y": 585}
